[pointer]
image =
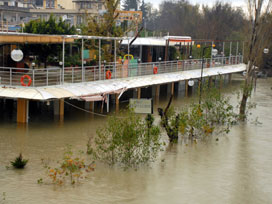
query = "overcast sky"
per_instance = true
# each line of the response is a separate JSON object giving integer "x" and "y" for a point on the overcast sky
{"x": 240, "y": 3}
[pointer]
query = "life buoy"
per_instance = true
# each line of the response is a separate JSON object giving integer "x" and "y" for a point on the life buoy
{"x": 155, "y": 70}
{"x": 29, "y": 80}
{"x": 108, "y": 74}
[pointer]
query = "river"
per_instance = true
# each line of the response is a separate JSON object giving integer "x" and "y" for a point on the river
{"x": 235, "y": 169}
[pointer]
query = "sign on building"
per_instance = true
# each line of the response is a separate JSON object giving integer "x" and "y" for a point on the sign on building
{"x": 141, "y": 105}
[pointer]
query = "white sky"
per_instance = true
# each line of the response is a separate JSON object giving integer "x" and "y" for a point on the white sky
{"x": 238, "y": 3}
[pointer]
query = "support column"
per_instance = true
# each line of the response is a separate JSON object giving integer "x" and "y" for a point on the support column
{"x": 230, "y": 76}
{"x": 172, "y": 88}
{"x": 61, "y": 109}
{"x": 186, "y": 88}
{"x": 220, "y": 82}
{"x": 210, "y": 81}
{"x": 22, "y": 111}
{"x": 139, "y": 93}
{"x": 116, "y": 103}
{"x": 91, "y": 107}
{"x": 56, "y": 107}
{"x": 157, "y": 94}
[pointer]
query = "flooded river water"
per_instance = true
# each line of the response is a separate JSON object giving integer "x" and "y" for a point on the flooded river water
{"x": 236, "y": 169}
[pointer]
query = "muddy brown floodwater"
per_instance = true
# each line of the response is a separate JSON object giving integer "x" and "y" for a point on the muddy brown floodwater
{"x": 236, "y": 169}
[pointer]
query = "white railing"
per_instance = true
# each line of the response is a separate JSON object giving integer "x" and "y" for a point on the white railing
{"x": 54, "y": 76}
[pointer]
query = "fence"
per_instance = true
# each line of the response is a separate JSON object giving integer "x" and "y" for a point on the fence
{"x": 55, "y": 76}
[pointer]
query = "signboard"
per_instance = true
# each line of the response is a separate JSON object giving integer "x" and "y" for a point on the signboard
{"x": 17, "y": 55}
{"x": 141, "y": 105}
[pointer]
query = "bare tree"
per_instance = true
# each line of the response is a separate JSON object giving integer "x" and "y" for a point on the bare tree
{"x": 258, "y": 10}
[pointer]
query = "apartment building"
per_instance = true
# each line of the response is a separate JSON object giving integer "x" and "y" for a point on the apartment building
{"x": 15, "y": 12}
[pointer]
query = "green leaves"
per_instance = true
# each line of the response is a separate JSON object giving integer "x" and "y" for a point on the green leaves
{"x": 128, "y": 141}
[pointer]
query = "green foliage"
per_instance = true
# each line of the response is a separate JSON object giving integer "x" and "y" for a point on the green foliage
{"x": 19, "y": 162}
{"x": 128, "y": 141}
{"x": 71, "y": 167}
{"x": 104, "y": 26}
{"x": 50, "y": 27}
{"x": 214, "y": 116}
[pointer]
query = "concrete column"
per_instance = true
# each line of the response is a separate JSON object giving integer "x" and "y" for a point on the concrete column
{"x": 210, "y": 81}
{"x": 157, "y": 94}
{"x": 116, "y": 103}
{"x": 230, "y": 76}
{"x": 61, "y": 109}
{"x": 22, "y": 111}
{"x": 172, "y": 88}
{"x": 220, "y": 82}
{"x": 91, "y": 107}
{"x": 139, "y": 93}
{"x": 169, "y": 88}
{"x": 56, "y": 107}
{"x": 186, "y": 88}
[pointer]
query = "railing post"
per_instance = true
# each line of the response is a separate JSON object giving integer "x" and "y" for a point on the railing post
{"x": 61, "y": 73}
{"x": 72, "y": 74}
{"x": 33, "y": 75}
{"x": 46, "y": 77}
{"x": 10, "y": 76}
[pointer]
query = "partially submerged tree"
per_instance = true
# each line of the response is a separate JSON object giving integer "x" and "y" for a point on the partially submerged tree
{"x": 258, "y": 12}
{"x": 128, "y": 141}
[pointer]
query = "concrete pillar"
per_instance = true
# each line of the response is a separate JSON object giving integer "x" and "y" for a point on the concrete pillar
{"x": 56, "y": 107}
{"x": 116, "y": 103}
{"x": 134, "y": 93}
{"x": 139, "y": 93}
{"x": 157, "y": 94}
{"x": 91, "y": 107}
{"x": 210, "y": 81}
{"x": 172, "y": 88}
{"x": 61, "y": 109}
{"x": 220, "y": 82}
{"x": 22, "y": 110}
{"x": 186, "y": 88}
{"x": 230, "y": 76}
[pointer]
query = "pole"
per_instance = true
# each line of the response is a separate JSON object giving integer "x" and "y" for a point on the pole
{"x": 211, "y": 54}
{"x": 237, "y": 50}
{"x": 82, "y": 60}
{"x": 202, "y": 64}
{"x": 230, "y": 52}
{"x": 99, "y": 59}
{"x": 63, "y": 50}
{"x": 115, "y": 59}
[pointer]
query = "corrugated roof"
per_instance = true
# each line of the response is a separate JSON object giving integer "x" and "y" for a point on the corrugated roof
{"x": 110, "y": 86}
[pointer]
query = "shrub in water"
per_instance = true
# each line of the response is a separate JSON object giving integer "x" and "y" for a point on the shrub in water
{"x": 128, "y": 141}
{"x": 19, "y": 162}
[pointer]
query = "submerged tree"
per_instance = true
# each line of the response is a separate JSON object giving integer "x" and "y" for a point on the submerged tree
{"x": 214, "y": 116}
{"x": 258, "y": 12}
{"x": 128, "y": 141}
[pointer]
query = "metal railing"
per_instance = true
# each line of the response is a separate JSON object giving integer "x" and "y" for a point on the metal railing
{"x": 54, "y": 76}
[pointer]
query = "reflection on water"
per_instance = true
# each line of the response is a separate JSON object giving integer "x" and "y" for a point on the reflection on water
{"x": 236, "y": 169}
